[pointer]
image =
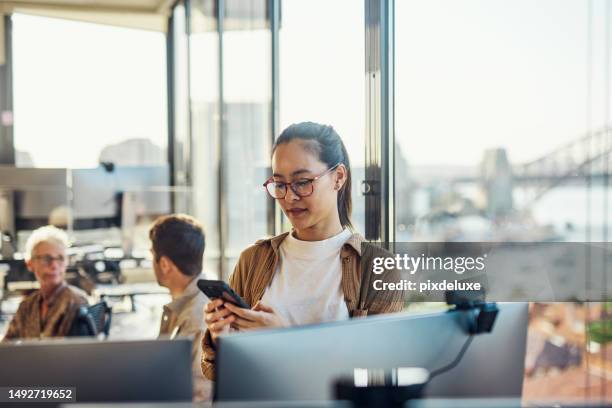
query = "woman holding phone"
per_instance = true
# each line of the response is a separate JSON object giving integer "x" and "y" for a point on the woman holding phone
{"x": 314, "y": 273}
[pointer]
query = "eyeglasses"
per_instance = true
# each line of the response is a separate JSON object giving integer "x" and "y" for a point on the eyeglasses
{"x": 48, "y": 259}
{"x": 302, "y": 188}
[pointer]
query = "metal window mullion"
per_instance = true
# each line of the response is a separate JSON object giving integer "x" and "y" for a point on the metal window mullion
{"x": 389, "y": 123}
{"x": 221, "y": 186}
{"x": 7, "y": 146}
{"x": 379, "y": 70}
{"x": 274, "y": 212}
{"x": 372, "y": 216}
{"x": 170, "y": 85}
{"x": 190, "y": 153}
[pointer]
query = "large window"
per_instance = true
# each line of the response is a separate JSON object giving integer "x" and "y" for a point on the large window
{"x": 322, "y": 76}
{"x": 231, "y": 97}
{"x": 500, "y": 112}
{"x": 247, "y": 123}
{"x": 204, "y": 103}
{"x": 87, "y": 93}
{"x": 231, "y": 120}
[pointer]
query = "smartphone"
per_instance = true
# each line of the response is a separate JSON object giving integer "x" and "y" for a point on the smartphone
{"x": 216, "y": 289}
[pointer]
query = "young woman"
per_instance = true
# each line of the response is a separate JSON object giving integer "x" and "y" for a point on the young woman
{"x": 313, "y": 273}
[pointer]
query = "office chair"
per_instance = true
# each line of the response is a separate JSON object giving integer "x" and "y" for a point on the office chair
{"x": 92, "y": 320}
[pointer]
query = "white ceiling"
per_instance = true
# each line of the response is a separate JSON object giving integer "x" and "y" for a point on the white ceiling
{"x": 142, "y": 14}
{"x": 107, "y": 5}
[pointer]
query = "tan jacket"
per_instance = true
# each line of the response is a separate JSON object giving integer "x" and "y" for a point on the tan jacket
{"x": 258, "y": 263}
{"x": 184, "y": 316}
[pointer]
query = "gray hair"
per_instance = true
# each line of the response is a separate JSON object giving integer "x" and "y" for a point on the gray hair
{"x": 47, "y": 233}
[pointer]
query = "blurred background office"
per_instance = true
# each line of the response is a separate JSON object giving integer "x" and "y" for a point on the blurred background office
{"x": 465, "y": 120}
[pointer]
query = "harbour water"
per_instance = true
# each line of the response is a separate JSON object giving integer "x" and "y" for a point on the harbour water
{"x": 573, "y": 213}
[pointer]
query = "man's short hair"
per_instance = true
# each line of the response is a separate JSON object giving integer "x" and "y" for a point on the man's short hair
{"x": 179, "y": 237}
{"x": 47, "y": 233}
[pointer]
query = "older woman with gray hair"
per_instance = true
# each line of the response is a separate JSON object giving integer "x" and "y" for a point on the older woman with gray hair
{"x": 51, "y": 310}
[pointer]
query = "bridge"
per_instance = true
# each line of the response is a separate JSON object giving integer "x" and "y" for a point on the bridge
{"x": 585, "y": 159}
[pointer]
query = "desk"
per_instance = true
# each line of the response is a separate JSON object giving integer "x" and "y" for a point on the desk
{"x": 425, "y": 403}
{"x": 129, "y": 290}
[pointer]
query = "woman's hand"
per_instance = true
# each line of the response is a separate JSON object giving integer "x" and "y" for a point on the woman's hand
{"x": 260, "y": 316}
{"x": 218, "y": 318}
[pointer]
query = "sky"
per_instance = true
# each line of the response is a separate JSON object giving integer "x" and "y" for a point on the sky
{"x": 477, "y": 74}
{"x": 470, "y": 75}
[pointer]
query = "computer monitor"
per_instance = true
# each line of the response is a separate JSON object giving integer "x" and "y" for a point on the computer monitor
{"x": 108, "y": 371}
{"x": 302, "y": 363}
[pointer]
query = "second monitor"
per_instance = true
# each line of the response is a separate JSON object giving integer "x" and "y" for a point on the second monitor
{"x": 302, "y": 363}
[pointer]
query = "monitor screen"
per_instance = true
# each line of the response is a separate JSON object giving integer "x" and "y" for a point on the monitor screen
{"x": 302, "y": 363}
{"x": 102, "y": 371}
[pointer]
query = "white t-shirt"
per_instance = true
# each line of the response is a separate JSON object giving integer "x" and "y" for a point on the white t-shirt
{"x": 306, "y": 287}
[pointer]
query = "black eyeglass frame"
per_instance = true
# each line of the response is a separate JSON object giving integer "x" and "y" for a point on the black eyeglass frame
{"x": 293, "y": 186}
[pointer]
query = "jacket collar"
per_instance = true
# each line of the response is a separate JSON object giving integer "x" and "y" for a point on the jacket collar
{"x": 353, "y": 242}
{"x": 191, "y": 291}
{"x": 55, "y": 295}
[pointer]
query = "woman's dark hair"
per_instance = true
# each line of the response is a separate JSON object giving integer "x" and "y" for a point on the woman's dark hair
{"x": 325, "y": 142}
